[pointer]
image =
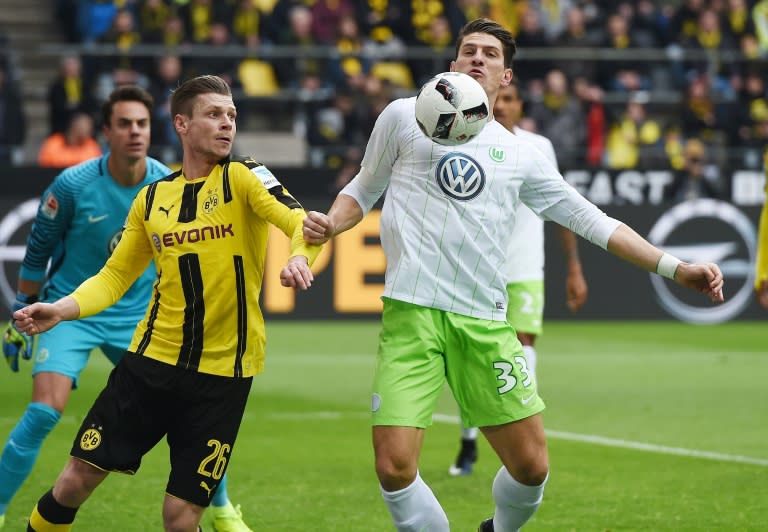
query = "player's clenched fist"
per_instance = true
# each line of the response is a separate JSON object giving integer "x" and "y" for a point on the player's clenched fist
{"x": 318, "y": 228}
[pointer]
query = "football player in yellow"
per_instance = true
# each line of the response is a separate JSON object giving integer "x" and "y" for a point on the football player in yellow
{"x": 188, "y": 370}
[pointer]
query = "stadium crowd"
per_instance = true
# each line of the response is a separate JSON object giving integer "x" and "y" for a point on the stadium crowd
{"x": 613, "y": 84}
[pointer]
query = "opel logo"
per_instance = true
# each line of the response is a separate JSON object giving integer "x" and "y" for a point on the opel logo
{"x": 460, "y": 176}
{"x": 9, "y": 225}
{"x": 732, "y": 246}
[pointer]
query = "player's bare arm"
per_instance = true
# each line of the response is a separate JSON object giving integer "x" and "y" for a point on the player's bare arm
{"x": 762, "y": 294}
{"x": 296, "y": 273}
{"x": 575, "y": 283}
{"x": 344, "y": 214}
{"x": 705, "y": 278}
{"x": 40, "y": 317}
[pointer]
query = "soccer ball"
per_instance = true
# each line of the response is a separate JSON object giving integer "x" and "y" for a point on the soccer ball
{"x": 451, "y": 108}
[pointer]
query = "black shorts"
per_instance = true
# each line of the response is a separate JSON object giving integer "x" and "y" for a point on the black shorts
{"x": 145, "y": 400}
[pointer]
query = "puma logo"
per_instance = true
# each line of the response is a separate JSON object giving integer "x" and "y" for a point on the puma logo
{"x": 166, "y": 211}
{"x": 206, "y": 488}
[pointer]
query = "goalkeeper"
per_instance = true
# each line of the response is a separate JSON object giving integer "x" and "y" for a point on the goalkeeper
{"x": 78, "y": 224}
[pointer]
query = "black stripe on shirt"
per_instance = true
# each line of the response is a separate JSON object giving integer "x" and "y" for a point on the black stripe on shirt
{"x": 225, "y": 184}
{"x": 242, "y": 315}
{"x": 283, "y": 197}
{"x": 194, "y": 311}
{"x": 150, "y": 200}
{"x": 145, "y": 339}
{"x": 188, "y": 210}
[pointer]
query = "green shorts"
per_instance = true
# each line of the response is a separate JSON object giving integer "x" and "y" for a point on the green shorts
{"x": 526, "y": 306}
{"x": 421, "y": 348}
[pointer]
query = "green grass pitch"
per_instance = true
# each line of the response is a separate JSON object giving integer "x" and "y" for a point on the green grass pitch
{"x": 653, "y": 426}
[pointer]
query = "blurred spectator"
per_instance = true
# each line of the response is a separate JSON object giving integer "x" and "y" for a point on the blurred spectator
{"x": 439, "y": 38}
{"x": 199, "y": 15}
{"x": 551, "y": 15}
{"x": 302, "y": 66}
{"x": 174, "y": 32}
{"x": 634, "y": 139}
{"x": 349, "y": 66}
{"x": 73, "y": 146}
{"x": 702, "y": 116}
{"x": 575, "y": 35}
{"x": 591, "y": 98}
{"x": 109, "y": 81}
{"x": 326, "y": 15}
{"x": 696, "y": 179}
{"x": 673, "y": 147}
{"x": 381, "y": 19}
{"x": 153, "y": 16}
{"x": 68, "y": 93}
{"x": 711, "y": 38}
{"x": 124, "y": 36}
{"x": 13, "y": 126}
{"x": 168, "y": 76}
{"x": 739, "y": 19}
{"x": 349, "y": 168}
{"x": 67, "y": 16}
{"x": 561, "y": 119}
{"x": 760, "y": 20}
{"x": 531, "y": 35}
{"x": 247, "y": 23}
{"x": 684, "y": 22}
{"x": 94, "y": 18}
{"x": 334, "y": 128}
{"x": 621, "y": 75}
{"x": 223, "y": 57}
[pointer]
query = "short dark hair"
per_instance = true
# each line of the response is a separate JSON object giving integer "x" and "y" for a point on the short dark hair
{"x": 126, "y": 93}
{"x": 491, "y": 27}
{"x": 183, "y": 97}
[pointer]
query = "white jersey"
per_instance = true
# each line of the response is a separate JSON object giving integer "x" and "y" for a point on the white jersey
{"x": 445, "y": 224}
{"x": 526, "y": 246}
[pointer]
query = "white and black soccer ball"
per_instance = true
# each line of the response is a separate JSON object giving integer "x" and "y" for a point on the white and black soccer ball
{"x": 452, "y": 108}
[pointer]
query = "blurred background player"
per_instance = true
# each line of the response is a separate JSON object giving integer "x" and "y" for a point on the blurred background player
{"x": 78, "y": 225}
{"x": 761, "y": 269}
{"x": 525, "y": 266}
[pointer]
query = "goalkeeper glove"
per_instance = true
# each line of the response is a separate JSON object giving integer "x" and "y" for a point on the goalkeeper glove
{"x": 17, "y": 343}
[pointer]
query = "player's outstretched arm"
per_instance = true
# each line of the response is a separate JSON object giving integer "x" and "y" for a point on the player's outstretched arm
{"x": 296, "y": 273}
{"x": 705, "y": 278}
{"x": 344, "y": 214}
{"x": 40, "y": 317}
{"x": 575, "y": 283}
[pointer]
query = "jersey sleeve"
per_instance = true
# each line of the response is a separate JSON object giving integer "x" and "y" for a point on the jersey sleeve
{"x": 127, "y": 262}
{"x": 547, "y": 194}
{"x": 271, "y": 201}
{"x": 54, "y": 216}
{"x": 380, "y": 156}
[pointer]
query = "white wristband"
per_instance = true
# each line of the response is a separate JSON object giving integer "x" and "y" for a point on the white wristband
{"x": 667, "y": 266}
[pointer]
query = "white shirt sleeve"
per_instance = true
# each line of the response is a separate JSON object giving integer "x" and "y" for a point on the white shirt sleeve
{"x": 547, "y": 194}
{"x": 380, "y": 156}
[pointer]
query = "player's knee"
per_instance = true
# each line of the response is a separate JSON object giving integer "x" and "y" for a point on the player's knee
{"x": 76, "y": 482}
{"x": 39, "y": 419}
{"x": 531, "y": 473}
{"x": 395, "y": 472}
{"x": 179, "y": 515}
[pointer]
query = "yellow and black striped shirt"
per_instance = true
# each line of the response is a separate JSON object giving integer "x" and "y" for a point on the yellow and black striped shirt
{"x": 208, "y": 238}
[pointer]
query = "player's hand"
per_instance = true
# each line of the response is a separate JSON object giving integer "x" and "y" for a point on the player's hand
{"x": 762, "y": 294}
{"x": 318, "y": 228}
{"x": 15, "y": 344}
{"x": 705, "y": 278}
{"x": 575, "y": 290}
{"x": 296, "y": 274}
{"x": 37, "y": 318}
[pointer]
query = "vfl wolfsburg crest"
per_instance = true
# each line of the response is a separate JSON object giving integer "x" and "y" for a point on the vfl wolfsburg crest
{"x": 497, "y": 154}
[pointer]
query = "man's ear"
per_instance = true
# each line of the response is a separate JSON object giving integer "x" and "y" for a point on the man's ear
{"x": 506, "y": 79}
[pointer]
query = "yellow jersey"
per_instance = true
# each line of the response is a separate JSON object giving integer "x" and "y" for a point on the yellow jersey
{"x": 208, "y": 239}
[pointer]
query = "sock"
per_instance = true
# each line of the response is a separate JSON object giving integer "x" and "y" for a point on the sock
{"x": 530, "y": 356}
{"x": 515, "y": 502}
{"x": 469, "y": 433}
{"x": 415, "y": 508}
{"x": 23, "y": 446}
{"x": 50, "y": 516}
{"x": 221, "y": 497}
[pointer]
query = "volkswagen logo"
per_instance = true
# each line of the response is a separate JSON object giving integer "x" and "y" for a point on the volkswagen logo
{"x": 731, "y": 243}
{"x": 460, "y": 176}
